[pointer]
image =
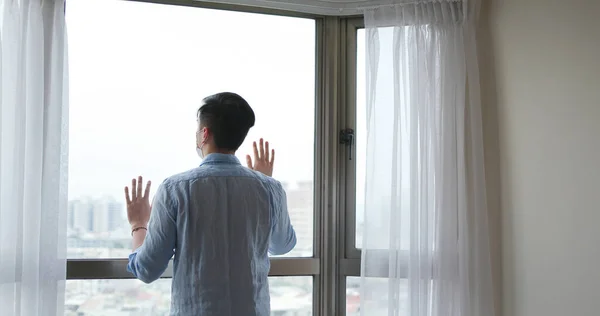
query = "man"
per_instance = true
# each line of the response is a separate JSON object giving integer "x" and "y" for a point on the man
{"x": 219, "y": 220}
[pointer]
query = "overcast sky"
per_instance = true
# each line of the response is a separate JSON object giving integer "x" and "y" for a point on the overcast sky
{"x": 139, "y": 71}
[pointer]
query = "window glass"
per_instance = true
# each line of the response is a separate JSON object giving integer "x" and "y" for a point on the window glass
{"x": 290, "y": 296}
{"x": 378, "y": 289}
{"x": 136, "y": 82}
{"x": 352, "y": 296}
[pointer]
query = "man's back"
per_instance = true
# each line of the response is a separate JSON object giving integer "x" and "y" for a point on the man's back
{"x": 226, "y": 218}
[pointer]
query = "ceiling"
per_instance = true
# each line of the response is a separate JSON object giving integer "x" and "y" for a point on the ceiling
{"x": 320, "y": 7}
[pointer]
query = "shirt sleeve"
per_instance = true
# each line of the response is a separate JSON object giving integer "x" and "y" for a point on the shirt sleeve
{"x": 283, "y": 236}
{"x": 149, "y": 261}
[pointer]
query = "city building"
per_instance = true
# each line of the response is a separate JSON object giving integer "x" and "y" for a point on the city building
{"x": 96, "y": 215}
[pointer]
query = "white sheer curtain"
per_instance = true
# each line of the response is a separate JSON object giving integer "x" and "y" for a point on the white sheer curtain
{"x": 425, "y": 247}
{"x": 33, "y": 157}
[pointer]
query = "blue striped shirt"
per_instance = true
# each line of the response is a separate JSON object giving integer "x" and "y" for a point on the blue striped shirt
{"x": 219, "y": 221}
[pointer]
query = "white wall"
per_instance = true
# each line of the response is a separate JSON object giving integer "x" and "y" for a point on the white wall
{"x": 541, "y": 72}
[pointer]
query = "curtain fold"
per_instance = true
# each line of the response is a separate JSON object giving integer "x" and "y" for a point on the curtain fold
{"x": 425, "y": 242}
{"x": 33, "y": 157}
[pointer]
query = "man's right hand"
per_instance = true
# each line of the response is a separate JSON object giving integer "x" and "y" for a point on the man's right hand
{"x": 263, "y": 159}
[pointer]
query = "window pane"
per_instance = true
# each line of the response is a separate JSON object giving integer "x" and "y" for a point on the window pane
{"x": 378, "y": 289}
{"x": 290, "y": 296}
{"x": 352, "y": 296}
{"x": 136, "y": 84}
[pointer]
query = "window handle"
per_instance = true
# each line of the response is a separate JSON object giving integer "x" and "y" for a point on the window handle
{"x": 347, "y": 138}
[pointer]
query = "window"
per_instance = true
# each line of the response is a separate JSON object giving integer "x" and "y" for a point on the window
{"x": 354, "y": 179}
{"x": 138, "y": 72}
{"x": 137, "y": 80}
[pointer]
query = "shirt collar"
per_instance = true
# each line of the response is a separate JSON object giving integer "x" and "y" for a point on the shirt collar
{"x": 220, "y": 159}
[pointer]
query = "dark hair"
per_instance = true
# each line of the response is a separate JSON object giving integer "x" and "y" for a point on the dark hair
{"x": 229, "y": 117}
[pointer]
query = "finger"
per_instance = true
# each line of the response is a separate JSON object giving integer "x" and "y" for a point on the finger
{"x": 267, "y": 152}
{"x": 147, "y": 191}
{"x": 249, "y": 161}
{"x": 262, "y": 149}
{"x": 133, "y": 189}
{"x": 272, "y": 157}
{"x": 255, "y": 151}
{"x": 139, "y": 188}
{"x": 127, "y": 195}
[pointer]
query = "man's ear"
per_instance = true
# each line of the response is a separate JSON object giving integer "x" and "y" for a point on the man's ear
{"x": 206, "y": 133}
{"x": 198, "y": 140}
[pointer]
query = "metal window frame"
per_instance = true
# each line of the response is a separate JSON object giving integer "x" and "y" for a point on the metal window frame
{"x": 99, "y": 269}
{"x": 331, "y": 95}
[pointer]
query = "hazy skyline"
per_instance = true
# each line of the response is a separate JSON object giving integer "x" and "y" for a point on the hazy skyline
{"x": 138, "y": 72}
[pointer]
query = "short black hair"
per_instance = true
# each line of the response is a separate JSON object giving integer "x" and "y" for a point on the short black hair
{"x": 228, "y": 116}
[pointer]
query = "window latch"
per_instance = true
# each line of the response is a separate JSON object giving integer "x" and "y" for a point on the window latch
{"x": 347, "y": 138}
